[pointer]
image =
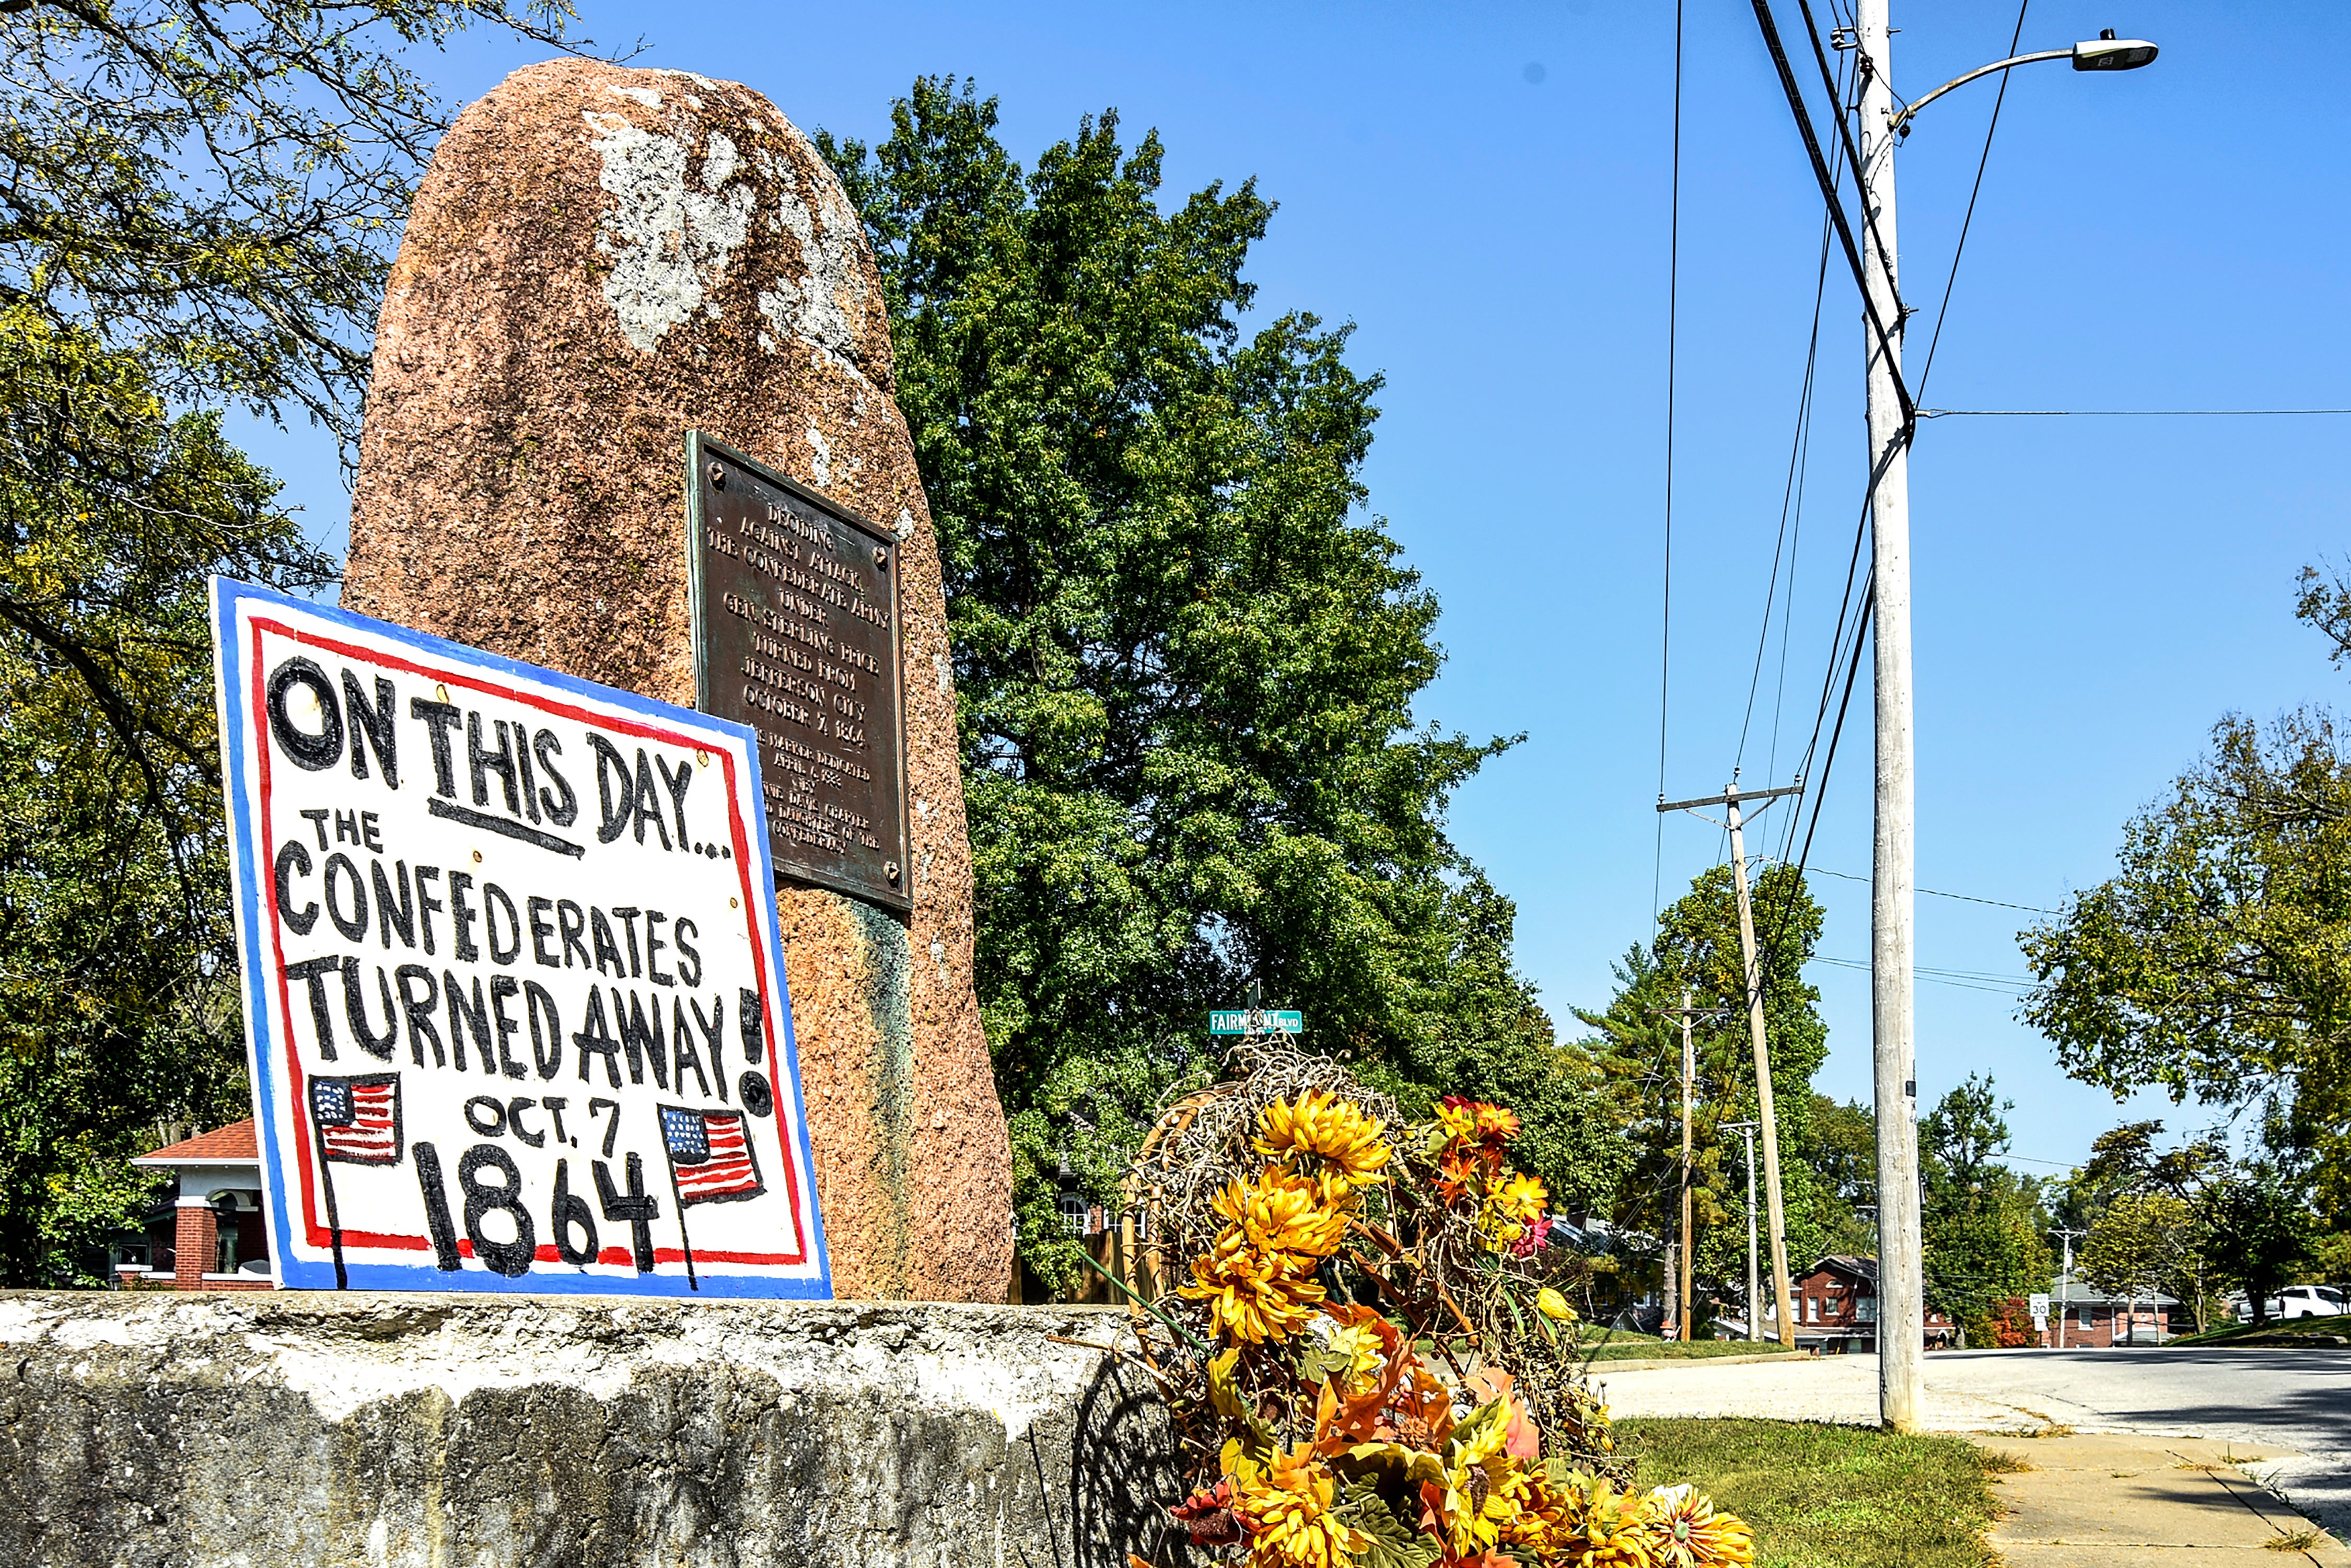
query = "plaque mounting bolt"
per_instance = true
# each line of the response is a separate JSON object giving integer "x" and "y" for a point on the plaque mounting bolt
{"x": 882, "y": 557}
{"x": 718, "y": 476}
{"x": 889, "y": 868}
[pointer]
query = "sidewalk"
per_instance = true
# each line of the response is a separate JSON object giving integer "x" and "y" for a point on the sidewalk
{"x": 2121, "y": 1502}
{"x": 2108, "y": 1498}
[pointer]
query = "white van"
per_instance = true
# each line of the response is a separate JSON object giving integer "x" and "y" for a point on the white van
{"x": 2297, "y": 1302}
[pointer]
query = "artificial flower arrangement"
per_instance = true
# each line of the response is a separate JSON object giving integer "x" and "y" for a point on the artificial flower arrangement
{"x": 1383, "y": 1375}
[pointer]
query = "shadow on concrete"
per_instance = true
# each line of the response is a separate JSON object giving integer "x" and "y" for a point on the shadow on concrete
{"x": 1123, "y": 1468}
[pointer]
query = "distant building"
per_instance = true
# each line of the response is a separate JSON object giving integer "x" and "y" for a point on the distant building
{"x": 2096, "y": 1320}
{"x": 1835, "y": 1304}
{"x": 206, "y": 1231}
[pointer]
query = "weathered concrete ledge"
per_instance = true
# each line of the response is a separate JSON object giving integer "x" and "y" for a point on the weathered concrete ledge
{"x": 183, "y": 1431}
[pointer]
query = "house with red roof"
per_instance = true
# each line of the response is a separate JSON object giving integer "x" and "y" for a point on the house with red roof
{"x": 207, "y": 1232}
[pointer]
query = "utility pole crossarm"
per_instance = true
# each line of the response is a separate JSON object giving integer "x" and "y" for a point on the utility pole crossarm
{"x": 1732, "y": 796}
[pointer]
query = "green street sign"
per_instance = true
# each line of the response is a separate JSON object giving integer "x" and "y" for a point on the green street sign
{"x": 1237, "y": 1022}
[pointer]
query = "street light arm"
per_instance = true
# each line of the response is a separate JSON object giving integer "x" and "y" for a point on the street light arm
{"x": 1901, "y": 123}
{"x": 2104, "y": 53}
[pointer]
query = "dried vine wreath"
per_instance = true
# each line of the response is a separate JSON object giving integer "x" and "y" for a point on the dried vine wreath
{"x": 1370, "y": 1350}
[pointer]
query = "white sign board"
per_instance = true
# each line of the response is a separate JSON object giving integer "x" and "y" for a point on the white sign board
{"x": 513, "y": 989}
{"x": 2039, "y": 1304}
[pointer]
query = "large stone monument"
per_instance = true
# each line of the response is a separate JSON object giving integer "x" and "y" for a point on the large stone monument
{"x": 599, "y": 261}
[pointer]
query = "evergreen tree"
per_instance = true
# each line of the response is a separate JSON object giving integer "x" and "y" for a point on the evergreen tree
{"x": 1697, "y": 947}
{"x": 1185, "y": 655}
{"x": 1985, "y": 1230}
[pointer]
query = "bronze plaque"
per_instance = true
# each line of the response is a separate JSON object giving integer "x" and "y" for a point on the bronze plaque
{"x": 796, "y": 634}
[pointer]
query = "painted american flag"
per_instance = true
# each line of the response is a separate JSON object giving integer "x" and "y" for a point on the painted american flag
{"x": 357, "y": 1118}
{"x": 710, "y": 1156}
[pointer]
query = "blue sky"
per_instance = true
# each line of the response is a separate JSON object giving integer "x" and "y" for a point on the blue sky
{"x": 1483, "y": 191}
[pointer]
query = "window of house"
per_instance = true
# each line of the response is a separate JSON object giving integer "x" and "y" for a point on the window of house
{"x": 1865, "y": 1309}
{"x": 1073, "y": 1206}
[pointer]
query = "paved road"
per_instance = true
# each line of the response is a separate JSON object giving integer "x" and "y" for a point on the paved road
{"x": 2288, "y": 1398}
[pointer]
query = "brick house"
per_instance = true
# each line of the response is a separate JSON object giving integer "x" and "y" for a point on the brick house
{"x": 207, "y": 1232}
{"x": 1835, "y": 1303}
{"x": 2096, "y": 1320}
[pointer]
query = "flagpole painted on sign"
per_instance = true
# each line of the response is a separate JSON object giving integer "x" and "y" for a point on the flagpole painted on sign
{"x": 685, "y": 1244}
{"x": 326, "y": 1181}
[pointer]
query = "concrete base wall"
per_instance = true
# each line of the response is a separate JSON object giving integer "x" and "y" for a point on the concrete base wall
{"x": 183, "y": 1431}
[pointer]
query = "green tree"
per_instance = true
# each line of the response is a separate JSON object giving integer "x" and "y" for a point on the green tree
{"x": 1845, "y": 1157}
{"x": 200, "y": 205}
{"x": 1185, "y": 656}
{"x": 2258, "y": 1229}
{"x": 2252, "y": 1220}
{"x": 2142, "y": 1245}
{"x": 1697, "y": 947}
{"x": 1984, "y": 1225}
{"x": 2217, "y": 963}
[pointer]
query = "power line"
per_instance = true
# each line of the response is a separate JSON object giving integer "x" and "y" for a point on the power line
{"x": 1943, "y": 311}
{"x": 1803, "y": 119}
{"x": 1964, "y": 980}
{"x": 1673, "y": 331}
{"x": 1962, "y": 897}
{"x": 1800, "y": 445}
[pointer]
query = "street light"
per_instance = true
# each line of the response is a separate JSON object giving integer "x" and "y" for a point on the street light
{"x": 1901, "y": 1370}
{"x": 2104, "y": 53}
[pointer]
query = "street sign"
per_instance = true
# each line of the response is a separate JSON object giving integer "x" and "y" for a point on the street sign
{"x": 2040, "y": 1303}
{"x": 1237, "y": 1022}
{"x": 437, "y": 849}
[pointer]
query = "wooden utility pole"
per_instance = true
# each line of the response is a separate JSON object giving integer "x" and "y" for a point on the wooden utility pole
{"x": 1754, "y": 1293}
{"x": 1901, "y": 1290}
{"x": 1687, "y": 1012}
{"x": 1689, "y": 1077}
{"x": 1732, "y": 798}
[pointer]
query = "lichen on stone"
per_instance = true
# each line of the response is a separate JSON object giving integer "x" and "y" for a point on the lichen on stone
{"x": 668, "y": 242}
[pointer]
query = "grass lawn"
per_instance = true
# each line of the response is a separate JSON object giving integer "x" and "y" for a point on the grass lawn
{"x": 1642, "y": 1347}
{"x": 2334, "y": 1325}
{"x": 1828, "y": 1496}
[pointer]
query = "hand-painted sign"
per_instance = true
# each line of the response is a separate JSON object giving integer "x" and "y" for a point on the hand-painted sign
{"x": 514, "y": 994}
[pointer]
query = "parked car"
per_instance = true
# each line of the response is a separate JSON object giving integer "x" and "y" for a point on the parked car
{"x": 2307, "y": 1301}
{"x": 2297, "y": 1301}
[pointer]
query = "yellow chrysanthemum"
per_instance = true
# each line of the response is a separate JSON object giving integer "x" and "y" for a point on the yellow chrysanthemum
{"x": 1685, "y": 1531}
{"x": 1614, "y": 1531}
{"x": 1253, "y": 1296}
{"x": 1281, "y": 1211}
{"x": 1286, "y": 1504}
{"x": 1321, "y": 1135}
{"x": 1548, "y": 1517}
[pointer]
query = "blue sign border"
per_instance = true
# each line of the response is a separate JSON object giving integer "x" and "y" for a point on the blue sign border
{"x": 231, "y": 684}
